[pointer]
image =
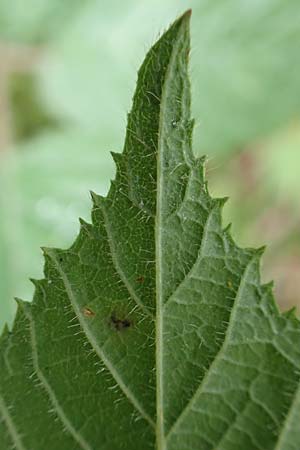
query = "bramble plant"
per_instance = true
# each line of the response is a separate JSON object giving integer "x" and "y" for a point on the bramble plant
{"x": 153, "y": 330}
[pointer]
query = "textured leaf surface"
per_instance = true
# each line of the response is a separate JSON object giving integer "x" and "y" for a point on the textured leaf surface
{"x": 153, "y": 330}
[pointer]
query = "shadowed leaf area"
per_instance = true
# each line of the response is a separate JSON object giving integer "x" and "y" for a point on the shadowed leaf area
{"x": 153, "y": 330}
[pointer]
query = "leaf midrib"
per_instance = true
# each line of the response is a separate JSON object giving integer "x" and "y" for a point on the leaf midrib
{"x": 160, "y": 435}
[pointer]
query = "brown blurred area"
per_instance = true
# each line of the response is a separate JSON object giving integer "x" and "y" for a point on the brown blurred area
{"x": 14, "y": 58}
{"x": 263, "y": 215}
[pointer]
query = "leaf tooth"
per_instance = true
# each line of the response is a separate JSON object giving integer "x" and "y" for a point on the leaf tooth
{"x": 83, "y": 222}
{"x": 269, "y": 285}
{"x": 227, "y": 229}
{"x": 86, "y": 227}
{"x": 5, "y": 329}
{"x": 267, "y": 298}
{"x": 5, "y": 334}
{"x": 260, "y": 251}
{"x": 36, "y": 283}
{"x": 291, "y": 313}
{"x": 96, "y": 198}
{"x": 221, "y": 201}
{"x": 52, "y": 254}
{"x": 93, "y": 196}
{"x": 189, "y": 126}
{"x": 117, "y": 157}
{"x": 201, "y": 159}
{"x": 22, "y": 303}
{"x": 46, "y": 250}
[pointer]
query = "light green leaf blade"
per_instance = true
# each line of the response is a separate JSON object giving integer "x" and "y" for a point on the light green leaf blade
{"x": 153, "y": 330}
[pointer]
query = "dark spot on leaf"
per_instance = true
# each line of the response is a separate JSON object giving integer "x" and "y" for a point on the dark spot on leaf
{"x": 140, "y": 279}
{"x": 88, "y": 312}
{"x": 120, "y": 324}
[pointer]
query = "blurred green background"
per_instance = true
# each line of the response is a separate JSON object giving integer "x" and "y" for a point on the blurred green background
{"x": 67, "y": 75}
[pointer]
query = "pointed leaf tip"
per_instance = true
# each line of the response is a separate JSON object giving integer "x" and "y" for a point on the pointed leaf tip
{"x": 188, "y": 14}
{"x": 186, "y": 17}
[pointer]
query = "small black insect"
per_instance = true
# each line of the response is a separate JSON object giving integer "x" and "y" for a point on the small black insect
{"x": 120, "y": 324}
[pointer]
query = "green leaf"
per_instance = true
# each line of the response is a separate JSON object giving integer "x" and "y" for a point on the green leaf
{"x": 153, "y": 329}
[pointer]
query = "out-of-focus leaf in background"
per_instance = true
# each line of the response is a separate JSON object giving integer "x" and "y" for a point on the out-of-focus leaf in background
{"x": 36, "y": 20}
{"x": 75, "y": 95}
{"x": 245, "y": 66}
{"x": 42, "y": 194}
